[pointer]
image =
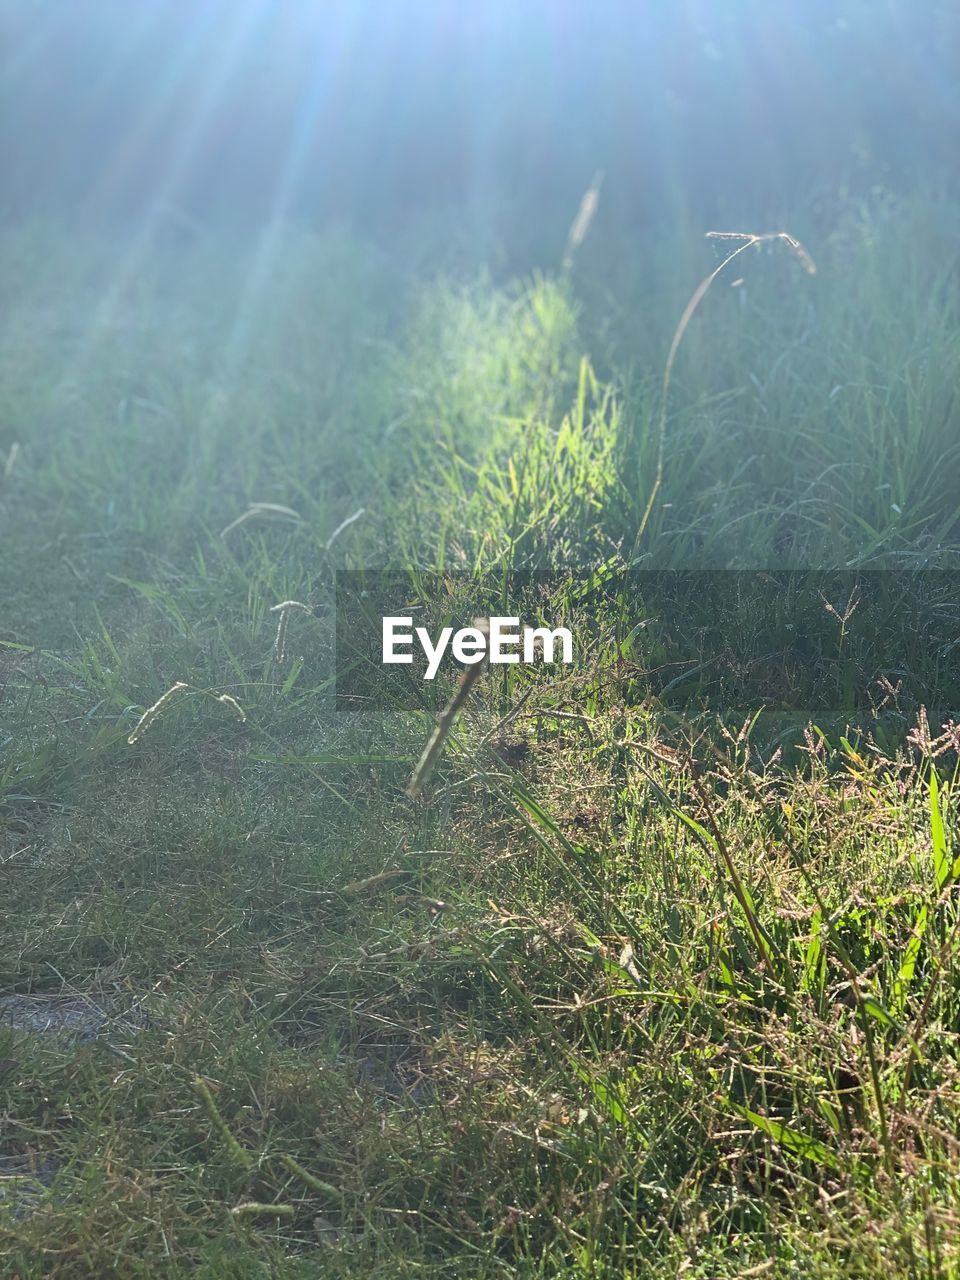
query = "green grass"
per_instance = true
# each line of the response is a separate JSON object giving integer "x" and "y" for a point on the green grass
{"x": 604, "y": 1002}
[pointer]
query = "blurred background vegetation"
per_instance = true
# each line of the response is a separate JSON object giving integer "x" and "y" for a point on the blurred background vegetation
{"x": 370, "y": 112}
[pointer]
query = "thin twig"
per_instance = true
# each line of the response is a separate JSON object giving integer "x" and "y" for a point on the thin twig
{"x": 431, "y": 752}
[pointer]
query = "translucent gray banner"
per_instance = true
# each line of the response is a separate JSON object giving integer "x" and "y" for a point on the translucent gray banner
{"x": 801, "y": 643}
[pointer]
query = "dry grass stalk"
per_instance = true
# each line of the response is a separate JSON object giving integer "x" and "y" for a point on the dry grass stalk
{"x": 581, "y": 223}
{"x": 231, "y": 701}
{"x": 260, "y": 509}
{"x": 151, "y": 713}
{"x": 749, "y": 239}
{"x": 344, "y": 524}
{"x": 431, "y": 752}
{"x": 280, "y": 640}
{"x": 285, "y": 608}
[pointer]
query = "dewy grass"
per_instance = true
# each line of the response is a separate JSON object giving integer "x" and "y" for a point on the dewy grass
{"x": 611, "y": 1000}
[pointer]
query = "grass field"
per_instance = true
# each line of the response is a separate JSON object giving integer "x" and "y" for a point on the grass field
{"x": 609, "y": 999}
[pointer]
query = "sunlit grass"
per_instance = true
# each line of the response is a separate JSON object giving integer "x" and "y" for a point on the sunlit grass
{"x": 600, "y": 1003}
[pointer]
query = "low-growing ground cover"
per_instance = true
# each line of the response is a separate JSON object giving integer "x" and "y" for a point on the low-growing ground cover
{"x": 616, "y": 995}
